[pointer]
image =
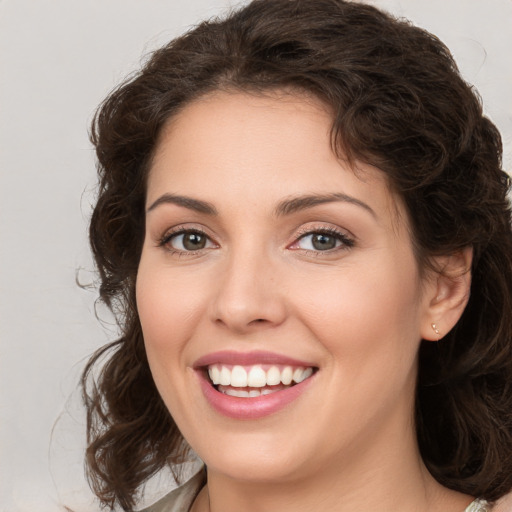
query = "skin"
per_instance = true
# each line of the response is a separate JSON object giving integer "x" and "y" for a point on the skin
{"x": 358, "y": 311}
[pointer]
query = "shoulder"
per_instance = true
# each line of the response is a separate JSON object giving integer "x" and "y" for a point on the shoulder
{"x": 180, "y": 499}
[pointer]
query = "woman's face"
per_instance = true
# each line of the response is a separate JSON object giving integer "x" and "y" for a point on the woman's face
{"x": 266, "y": 259}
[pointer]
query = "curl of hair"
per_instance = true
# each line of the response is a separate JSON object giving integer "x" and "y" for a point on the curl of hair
{"x": 398, "y": 103}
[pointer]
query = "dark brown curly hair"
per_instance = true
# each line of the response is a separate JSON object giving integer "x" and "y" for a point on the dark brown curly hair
{"x": 398, "y": 103}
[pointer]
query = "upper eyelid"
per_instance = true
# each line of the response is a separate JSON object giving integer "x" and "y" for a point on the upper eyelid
{"x": 165, "y": 242}
{"x": 180, "y": 230}
{"x": 297, "y": 234}
{"x": 323, "y": 228}
{"x": 344, "y": 236}
{"x": 184, "y": 228}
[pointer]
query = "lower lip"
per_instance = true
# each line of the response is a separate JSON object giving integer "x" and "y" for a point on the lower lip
{"x": 251, "y": 408}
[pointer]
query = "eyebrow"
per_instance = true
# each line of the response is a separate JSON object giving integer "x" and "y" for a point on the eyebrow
{"x": 286, "y": 207}
{"x": 295, "y": 204}
{"x": 187, "y": 202}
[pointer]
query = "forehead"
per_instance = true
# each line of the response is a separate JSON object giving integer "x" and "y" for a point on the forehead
{"x": 240, "y": 122}
{"x": 261, "y": 147}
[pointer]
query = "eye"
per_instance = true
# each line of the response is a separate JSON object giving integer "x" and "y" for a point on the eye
{"x": 323, "y": 240}
{"x": 319, "y": 242}
{"x": 187, "y": 241}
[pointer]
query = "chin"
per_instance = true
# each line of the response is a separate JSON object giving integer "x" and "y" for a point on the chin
{"x": 256, "y": 468}
{"x": 257, "y": 456}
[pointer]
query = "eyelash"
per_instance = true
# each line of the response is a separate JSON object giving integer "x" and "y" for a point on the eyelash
{"x": 346, "y": 242}
{"x": 165, "y": 240}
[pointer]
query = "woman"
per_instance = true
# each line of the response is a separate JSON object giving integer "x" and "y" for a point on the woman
{"x": 302, "y": 224}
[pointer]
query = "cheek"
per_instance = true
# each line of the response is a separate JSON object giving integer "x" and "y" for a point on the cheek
{"x": 167, "y": 310}
{"x": 364, "y": 310}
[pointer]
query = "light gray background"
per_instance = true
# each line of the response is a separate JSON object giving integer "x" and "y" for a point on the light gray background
{"x": 58, "y": 59}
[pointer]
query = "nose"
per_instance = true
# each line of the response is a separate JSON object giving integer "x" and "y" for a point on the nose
{"x": 249, "y": 294}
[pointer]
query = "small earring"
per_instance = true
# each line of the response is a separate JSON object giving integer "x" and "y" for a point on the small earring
{"x": 436, "y": 330}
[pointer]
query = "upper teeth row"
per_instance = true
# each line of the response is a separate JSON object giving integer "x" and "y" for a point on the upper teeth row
{"x": 256, "y": 376}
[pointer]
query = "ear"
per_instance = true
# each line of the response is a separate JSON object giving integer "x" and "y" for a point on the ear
{"x": 447, "y": 293}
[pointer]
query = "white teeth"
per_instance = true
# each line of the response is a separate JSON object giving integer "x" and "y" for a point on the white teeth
{"x": 273, "y": 376}
{"x": 301, "y": 374}
{"x": 214, "y": 374}
{"x": 225, "y": 376}
{"x": 256, "y": 377}
{"x": 238, "y": 377}
{"x": 297, "y": 375}
{"x": 243, "y": 393}
{"x": 287, "y": 375}
{"x": 307, "y": 373}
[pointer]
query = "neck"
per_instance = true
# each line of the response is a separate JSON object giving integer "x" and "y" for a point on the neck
{"x": 392, "y": 477}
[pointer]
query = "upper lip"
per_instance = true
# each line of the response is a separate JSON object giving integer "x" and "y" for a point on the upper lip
{"x": 248, "y": 358}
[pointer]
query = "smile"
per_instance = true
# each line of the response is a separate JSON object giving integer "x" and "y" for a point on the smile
{"x": 255, "y": 380}
{"x": 252, "y": 385}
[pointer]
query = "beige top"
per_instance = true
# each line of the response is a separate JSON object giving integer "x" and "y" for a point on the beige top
{"x": 181, "y": 499}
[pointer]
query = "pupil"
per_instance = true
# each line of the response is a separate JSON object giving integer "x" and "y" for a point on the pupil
{"x": 194, "y": 241}
{"x": 323, "y": 242}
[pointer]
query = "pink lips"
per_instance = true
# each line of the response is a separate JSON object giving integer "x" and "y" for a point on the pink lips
{"x": 253, "y": 407}
{"x": 248, "y": 358}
